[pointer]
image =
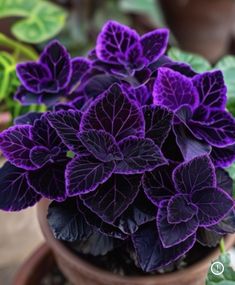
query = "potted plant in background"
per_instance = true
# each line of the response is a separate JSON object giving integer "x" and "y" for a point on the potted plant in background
{"x": 132, "y": 152}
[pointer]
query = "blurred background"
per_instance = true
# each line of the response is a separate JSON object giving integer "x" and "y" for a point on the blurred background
{"x": 202, "y": 33}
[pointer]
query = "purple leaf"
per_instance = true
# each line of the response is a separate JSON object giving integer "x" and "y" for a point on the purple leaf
{"x": 194, "y": 175}
{"x": 33, "y": 76}
{"x": 211, "y": 89}
{"x": 114, "y": 42}
{"x": 139, "y": 155}
{"x": 113, "y": 197}
{"x": 157, "y": 123}
{"x": 57, "y": 60}
{"x": 67, "y": 124}
{"x": 151, "y": 254}
{"x": 158, "y": 184}
{"x": 224, "y": 181}
{"x": 16, "y": 143}
{"x": 218, "y": 130}
{"x": 172, "y": 89}
{"x": 85, "y": 174}
{"x": 114, "y": 113}
{"x": 213, "y": 205}
{"x": 141, "y": 95}
{"x": 226, "y": 225}
{"x": 15, "y": 193}
{"x": 224, "y": 156}
{"x": 134, "y": 59}
{"x": 27, "y": 119}
{"x": 172, "y": 234}
{"x": 154, "y": 44}
{"x": 80, "y": 66}
{"x": 179, "y": 209}
{"x": 49, "y": 181}
{"x": 207, "y": 237}
{"x": 39, "y": 155}
{"x": 101, "y": 144}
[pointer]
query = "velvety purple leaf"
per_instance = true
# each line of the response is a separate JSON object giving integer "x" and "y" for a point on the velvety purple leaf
{"x": 66, "y": 222}
{"x": 15, "y": 193}
{"x": 211, "y": 89}
{"x": 33, "y": 76}
{"x": 207, "y": 237}
{"x": 114, "y": 113}
{"x": 172, "y": 234}
{"x": 139, "y": 155}
{"x": 57, "y": 60}
{"x": 27, "y": 119}
{"x": 180, "y": 67}
{"x": 189, "y": 146}
{"x": 85, "y": 174}
{"x": 151, "y": 254}
{"x": 213, "y": 205}
{"x": 49, "y": 181}
{"x": 140, "y": 212}
{"x": 154, "y": 44}
{"x": 141, "y": 95}
{"x": 223, "y": 156}
{"x": 96, "y": 222}
{"x": 79, "y": 68}
{"x": 172, "y": 89}
{"x": 226, "y": 225}
{"x": 218, "y": 130}
{"x": 113, "y": 197}
{"x": 157, "y": 123}
{"x": 179, "y": 209}
{"x": 67, "y": 124}
{"x": 224, "y": 181}
{"x": 39, "y": 155}
{"x": 171, "y": 150}
{"x": 158, "y": 184}
{"x": 140, "y": 77}
{"x": 101, "y": 144}
{"x": 114, "y": 42}
{"x": 16, "y": 143}
{"x": 194, "y": 175}
{"x": 134, "y": 59}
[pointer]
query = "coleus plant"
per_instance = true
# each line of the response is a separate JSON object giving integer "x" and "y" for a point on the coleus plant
{"x": 131, "y": 150}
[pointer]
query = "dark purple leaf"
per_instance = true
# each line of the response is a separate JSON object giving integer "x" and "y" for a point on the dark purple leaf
{"x": 96, "y": 222}
{"x": 85, "y": 174}
{"x": 158, "y": 184}
{"x": 179, "y": 209}
{"x": 140, "y": 94}
{"x": 157, "y": 123}
{"x": 113, "y": 197}
{"x": 67, "y": 124}
{"x": 224, "y": 181}
{"x": 154, "y": 44}
{"x": 207, "y": 237}
{"x": 213, "y": 205}
{"x": 194, "y": 175}
{"x": 16, "y": 143}
{"x": 218, "y": 130}
{"x": 49, "y": 181}
{"x": 151, "y": 254}
{"x": 27, "y": 119}
{"x": 114, "y": 113}
{"x": 40, "y": 155}
{"x": 224, "y": 156}
{"x": 66, "y": 222}
{"x": 101, "y": 144}
{"x": 114, "y": 41}
{"x": 33, "y": 76}
{"x": 172, "y": 234}
{"x": 226, "y": 225}
{"x": 172, "y": 89}
{"x": 139, "y": 155}
{"x": 15, "y": 193}
{"x": 56, "y": 58}
{"x": 211, "y": 89}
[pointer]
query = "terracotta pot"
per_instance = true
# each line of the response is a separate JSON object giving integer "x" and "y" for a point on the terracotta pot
{"x": 201, "y": 26}
{"x": 79, "y": 272}
{"x": 35, "y": 267}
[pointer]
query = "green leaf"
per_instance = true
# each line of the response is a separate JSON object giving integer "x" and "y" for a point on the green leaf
{"x": 16, "y": 7}
{"x": 197, "y": 62}
{"x": 44, "y": 22}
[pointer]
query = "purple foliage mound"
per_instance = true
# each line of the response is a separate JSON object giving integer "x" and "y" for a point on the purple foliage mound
{"x": 131, "y": 151}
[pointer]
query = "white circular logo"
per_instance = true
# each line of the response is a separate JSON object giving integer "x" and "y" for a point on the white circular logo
{"x": 217, "y": 268}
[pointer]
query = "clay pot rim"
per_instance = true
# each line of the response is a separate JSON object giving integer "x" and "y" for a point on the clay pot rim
{"x": 57, "y": 246}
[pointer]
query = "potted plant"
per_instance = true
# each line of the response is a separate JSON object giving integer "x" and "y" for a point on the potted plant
{"x": 131, "y": 152}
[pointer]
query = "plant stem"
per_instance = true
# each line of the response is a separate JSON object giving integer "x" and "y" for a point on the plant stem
{"x": 222, "y": 246}
{"x": 28, "y": 52}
